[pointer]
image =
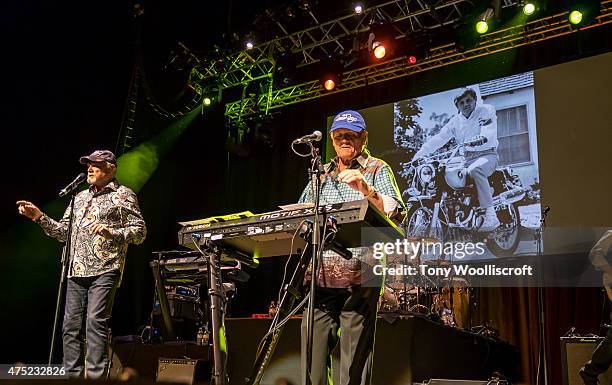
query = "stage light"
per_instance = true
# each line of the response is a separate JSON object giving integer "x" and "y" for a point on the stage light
{"x": 583, "y": 12}
{"x": 412, "y": 59}
{"x": 379, "y": 50}
{"x": 329, "y": 84}
{"x": 575, "y": 17}
{"x": 529, "y": 8}
{"x": 358, "y": 8}
{"x": 482, "y": 27}
{"x": 249, "y": 45}
{"x": 331, "y": 79}
{"x": 482, "y": 23}
{"x": 207, "y": 101}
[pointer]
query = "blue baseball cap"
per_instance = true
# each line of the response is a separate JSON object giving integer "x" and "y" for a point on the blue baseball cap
{"x": 349, "y": 119}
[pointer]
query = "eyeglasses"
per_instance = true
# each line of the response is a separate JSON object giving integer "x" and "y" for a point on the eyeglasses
{"x": 347, "y": 135}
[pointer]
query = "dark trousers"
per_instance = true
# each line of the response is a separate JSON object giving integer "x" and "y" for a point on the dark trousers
{"x": 601, "y": 359}
{"x": 353, "y": 311}
{"x": 89, "y": 302}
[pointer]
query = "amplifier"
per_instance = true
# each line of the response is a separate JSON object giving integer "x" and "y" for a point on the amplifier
{"x": 438, "y": 381}
{"x": 181, "y": 371}
{"x": 575, "y": 352}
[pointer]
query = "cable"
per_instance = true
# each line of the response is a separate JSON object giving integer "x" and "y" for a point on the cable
{"x": 193, "y": 238}
{"x": 276, "y": 326}
{"x": 275, "y": 319}
{"x": 283, "y": 322}
{"x": 297, "y": 152}
{"x": 288, "y": 259}
{"x": 603, "y": 309}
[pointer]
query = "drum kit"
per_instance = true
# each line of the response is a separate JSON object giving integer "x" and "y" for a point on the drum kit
{"x": 448, "y": 299}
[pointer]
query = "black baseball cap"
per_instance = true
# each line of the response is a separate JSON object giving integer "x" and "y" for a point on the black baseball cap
{"x": 99, "y": 156}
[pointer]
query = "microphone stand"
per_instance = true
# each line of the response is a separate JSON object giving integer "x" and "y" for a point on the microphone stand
{"x": 315, "y": 179}
{"x": 66, "y": 259}
{"x": 542, "y": 354}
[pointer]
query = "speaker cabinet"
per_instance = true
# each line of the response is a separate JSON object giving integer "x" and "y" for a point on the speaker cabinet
{"x": 181, "y": 371}
{"x": 575, "y": 352}
{"x": 436, "y": 381}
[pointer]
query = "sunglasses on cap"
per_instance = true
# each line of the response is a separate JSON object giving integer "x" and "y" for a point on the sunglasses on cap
{"x": 346, "y": 135}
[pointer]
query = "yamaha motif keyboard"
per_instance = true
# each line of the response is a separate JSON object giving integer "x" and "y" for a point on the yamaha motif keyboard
{"x": 270, "y": 234}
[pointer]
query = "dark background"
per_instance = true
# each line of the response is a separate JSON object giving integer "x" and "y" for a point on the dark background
{"x": 66, "y": 68}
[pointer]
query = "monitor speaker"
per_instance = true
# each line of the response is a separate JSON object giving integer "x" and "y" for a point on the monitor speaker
{"x": 438, "y": 381}
{"x": 575, "y": 352}
{"x": 182, "y": 371}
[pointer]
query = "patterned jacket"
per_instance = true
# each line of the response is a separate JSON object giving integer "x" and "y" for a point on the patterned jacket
{"x": 116, "y": 207}
{"x": 335, "y": 271}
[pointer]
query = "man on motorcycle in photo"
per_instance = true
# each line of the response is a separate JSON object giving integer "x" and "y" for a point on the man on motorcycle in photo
{"x": 472, "y": 123}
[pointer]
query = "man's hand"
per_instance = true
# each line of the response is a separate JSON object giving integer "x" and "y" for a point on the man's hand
{"x": 484, "y": 122}
{"x": 354, "y": 178}
{"x": 100, "y": 229}
{"x": 477, "y": 139}
{"x": 29, "y": 209}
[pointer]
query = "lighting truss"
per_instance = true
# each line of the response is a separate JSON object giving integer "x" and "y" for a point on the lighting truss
{"x": 500, "y": 40}
{"x": 328, "y": 38}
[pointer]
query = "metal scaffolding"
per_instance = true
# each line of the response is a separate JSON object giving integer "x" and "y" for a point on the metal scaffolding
{"x": 327, "y": 39}
{"x": 500, "y": 40}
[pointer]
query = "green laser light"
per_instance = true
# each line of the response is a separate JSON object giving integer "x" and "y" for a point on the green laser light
{"x": 575, "y": 17}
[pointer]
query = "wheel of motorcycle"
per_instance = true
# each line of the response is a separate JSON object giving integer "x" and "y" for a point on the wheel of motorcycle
{"x": 504, "y": 240}
{"x": 418, "y": 221}
{"x": 418, "y": 225}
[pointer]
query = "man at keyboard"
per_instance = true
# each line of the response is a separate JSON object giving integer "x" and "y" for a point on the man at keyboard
{"x": 345, "y": 297}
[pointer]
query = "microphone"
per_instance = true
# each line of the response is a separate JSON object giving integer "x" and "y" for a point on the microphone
{"x": 314, "y": 137}
{"x": 73, "y": 185}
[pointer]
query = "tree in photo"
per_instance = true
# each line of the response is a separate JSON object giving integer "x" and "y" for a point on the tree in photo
{"x": 407, "y": 134}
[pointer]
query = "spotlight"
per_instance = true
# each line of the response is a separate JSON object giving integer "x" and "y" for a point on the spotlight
{"x": 412, "y": 59}
{"x": 207, "y": 101}
{"x": 482, "y": 23}
{"x": 584, "y": 11}
{"x": 379, "y": 50}
{"x": 249, "y": 45}
{"x": 482, "y": 27}
{"x": 329, "y": 84}
{"x": 358, "y": 8}
{"x": 381, "y": 41}
{"x": 575, "y": 17}
{"x": 529, "y": 8}
{"x": 331, "y": 78}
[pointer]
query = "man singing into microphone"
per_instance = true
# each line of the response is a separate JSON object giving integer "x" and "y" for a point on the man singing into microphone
{"x": 345, "y": 297}
{"x": 106, "y": 219}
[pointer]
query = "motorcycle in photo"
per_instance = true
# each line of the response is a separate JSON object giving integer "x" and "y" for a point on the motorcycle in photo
{"x": 442, "y": 201}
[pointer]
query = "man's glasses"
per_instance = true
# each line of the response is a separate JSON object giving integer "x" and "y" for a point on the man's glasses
{"x": 347, "y": 135}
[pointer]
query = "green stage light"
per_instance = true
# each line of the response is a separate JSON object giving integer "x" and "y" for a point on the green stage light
{"x": 207, "y": 101}
{"x": 134, "y": 168}
{"x": 482, "y": 22}
{"x": 575, "y": 17}
{"x": 482, "y": 27}
{"x": 529, "y": 9}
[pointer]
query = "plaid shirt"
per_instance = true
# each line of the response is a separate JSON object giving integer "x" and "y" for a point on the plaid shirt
{"x": 116, "y": 207}
{"x": 335, "y": 271}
